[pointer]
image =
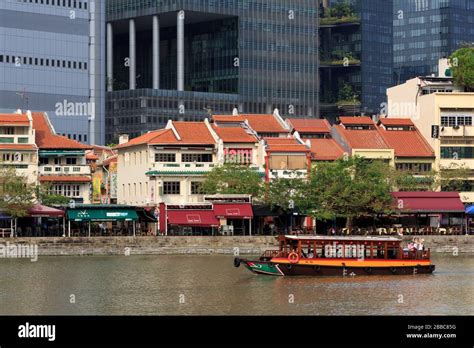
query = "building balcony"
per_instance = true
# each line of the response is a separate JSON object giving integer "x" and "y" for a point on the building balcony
{"x": 339, "y": 63}
{"x": 287, "y": 173}
{"x": 68, "y": 170}
{"x": 460, "y": 131}
{"x": 180, "y": 168}
{"x": 331, "y": 22}
{"x": 16, "y": 139}
{"x": 451, "y": 162}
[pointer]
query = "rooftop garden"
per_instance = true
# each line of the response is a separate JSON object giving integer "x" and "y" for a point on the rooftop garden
{"x": 339, "y": 13}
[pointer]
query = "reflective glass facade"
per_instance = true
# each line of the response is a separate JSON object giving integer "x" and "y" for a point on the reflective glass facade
{"x": 427, "y": 30}
{"x": 253, "y": 55}
{"x": 52, "y": 59}
{"x": 365, "y": 40}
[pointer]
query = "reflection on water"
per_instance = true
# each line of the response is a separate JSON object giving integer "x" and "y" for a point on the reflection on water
{"x": 164, "y": 285}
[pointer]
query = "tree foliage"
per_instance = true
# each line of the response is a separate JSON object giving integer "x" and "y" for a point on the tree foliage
{"x": 454, "y": 178}
{"x": 286, "y": 193}
{"x": 462, "y": 65}
{"x": 233, "y": 179}
{"x": 16, "y": 194}
{"x": 411, "y": 181}
{"x": 348, "y": 188}
{"x": 44, "y": 196}
{"x": 341, "y": 9}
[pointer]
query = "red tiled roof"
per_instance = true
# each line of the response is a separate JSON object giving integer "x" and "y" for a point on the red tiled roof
{"x": 310, "y": 125}
{"x": 14, "y": 120}
{"x": 281, "y": 141}
{"x": 194, "y": 133}
{"x": 90, "y": 155}
{"x": 325, "y": 149}
{"x": 362, "y": 138}
{"x": 396, "y": 122}
{"x": 227, "y": 118}
{"x": 99, "y": 150}
{"x": 24, "y": 147}
{"x": 146, "y": 138}
{"x": 264, "y": 123}
{"x": 191, "y": 133}
{"x": 46, "y": 139}
{"x": 109, "y": 160}
{"x": 409, "y": 143}
{"x": 358, "y": 120}
{"x": 64, "y": 178}
{"x": 285, "y": 145}
{"x": 234, "y": 135}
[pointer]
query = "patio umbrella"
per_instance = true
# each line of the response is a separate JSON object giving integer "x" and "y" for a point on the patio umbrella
{"x": 470, "y": 209}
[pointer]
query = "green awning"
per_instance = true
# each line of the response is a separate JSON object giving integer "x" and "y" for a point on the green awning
{"x": 175, "y": 172}
{"x": 61, "y": 153}
{"x": 102, "y": 215}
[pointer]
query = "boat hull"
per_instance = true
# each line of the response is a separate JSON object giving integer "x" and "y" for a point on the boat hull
{"x": 320, "y": 269}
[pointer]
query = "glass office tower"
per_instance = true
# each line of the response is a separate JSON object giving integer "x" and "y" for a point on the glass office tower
{"x": 355, "y": 57}
{"x": 184, "y": 59}
{"x": 427, "y": 30}
{"x": 52, "y": 58}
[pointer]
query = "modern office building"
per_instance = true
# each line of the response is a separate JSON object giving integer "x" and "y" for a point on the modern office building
{"x": 355, "y": 56}
{"x": 52, "y": 59}
{"x": 425, "y": 31}
{"x": 185, "y": 59}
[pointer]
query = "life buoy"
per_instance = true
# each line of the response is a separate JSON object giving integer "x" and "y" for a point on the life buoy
{"x": 293, "y": 257}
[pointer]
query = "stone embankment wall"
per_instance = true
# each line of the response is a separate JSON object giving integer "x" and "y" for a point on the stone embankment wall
{"x": 447, "y": 244}
{"x": 245, "y": 245}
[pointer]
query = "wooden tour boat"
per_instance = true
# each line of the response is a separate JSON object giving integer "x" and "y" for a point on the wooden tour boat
{"x": 346, "y": 256}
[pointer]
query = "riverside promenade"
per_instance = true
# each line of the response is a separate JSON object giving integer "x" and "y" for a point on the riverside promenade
{"x": 195, "y": 245}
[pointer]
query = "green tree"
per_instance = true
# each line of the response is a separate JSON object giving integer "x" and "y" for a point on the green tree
{"x": 346, "y": 93}
{"x": 16, "y": 194}
{"x": 46, "y": 197}
{"x": 462, "y": 65}
{"x": 403, "y": 180}
{"x": 341, "y": 9}
{"x": 348, "y": 188}
{"x": 454, "y": 178}
{"x": 233, "y": 179}
{"x": 286, "y": 193}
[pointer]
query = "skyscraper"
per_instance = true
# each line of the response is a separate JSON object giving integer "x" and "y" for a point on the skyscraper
{"x": 356, "y": 56}
{"x": 52, "y": 59}
{"x": 184, "y": 59}
{"x": 425, "y": 31}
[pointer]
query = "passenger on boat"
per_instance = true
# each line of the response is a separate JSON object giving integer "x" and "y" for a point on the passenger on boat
{"x": 310, "y": 254}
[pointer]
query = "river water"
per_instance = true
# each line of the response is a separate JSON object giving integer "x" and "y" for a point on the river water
{"x": 210, "y": 285}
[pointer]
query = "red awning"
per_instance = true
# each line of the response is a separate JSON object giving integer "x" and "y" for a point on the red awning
{"x": 241, "y": 211}
{"x": 197, "y": 218}
{"x": 428, "y": 202}
{"x": 39, "y": 210}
